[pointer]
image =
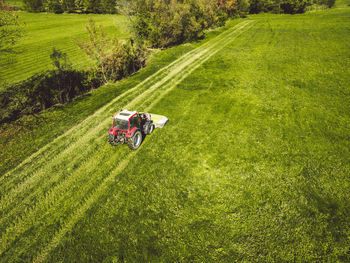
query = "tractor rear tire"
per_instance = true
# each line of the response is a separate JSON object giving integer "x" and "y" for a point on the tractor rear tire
{"x": 135, "y": 141}
{"x": 110, "y": 139}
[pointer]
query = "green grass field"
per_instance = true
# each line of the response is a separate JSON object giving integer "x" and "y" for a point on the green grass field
{"x": 43, "y": 31}
{"x": 253, "y": 165}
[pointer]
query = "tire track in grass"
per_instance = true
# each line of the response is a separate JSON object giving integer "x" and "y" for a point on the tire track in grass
{"x": 101, "y": 188}
{"x": 183, "y": 57}
{"x": 51, "y": 179}
{"x": 54, "y": 192}
{"x": 59, "y": 198}
{"x": 71, "y": 146}
{"x": 82, "y": 210}
{"x": 177, "y": 80}
{"x": 151, "y": 79}
{"x": 15, "y": 209}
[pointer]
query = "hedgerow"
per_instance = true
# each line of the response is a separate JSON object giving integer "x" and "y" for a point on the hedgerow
{"x": 44, "y": 90}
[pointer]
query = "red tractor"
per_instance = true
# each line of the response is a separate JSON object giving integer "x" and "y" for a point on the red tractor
{"x": 130, "y": 127}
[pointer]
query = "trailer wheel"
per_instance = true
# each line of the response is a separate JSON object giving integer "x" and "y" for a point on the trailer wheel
{"x": 135, "y": 141}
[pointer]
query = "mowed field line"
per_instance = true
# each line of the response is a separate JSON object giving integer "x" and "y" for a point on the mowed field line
{"x": 191, "y": 65}
{"x": 68, "y": 142}
{"x": 82, "y": 210}
{"x": 166, "y": 85}
{"x": 77, "y": 216}
{"x": 58, "y": 162}
{"x": 159, "y": 75}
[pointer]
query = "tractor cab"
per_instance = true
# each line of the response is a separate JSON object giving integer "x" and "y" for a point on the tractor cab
{"x": 130, "y": 127}
{"x": 125, "y": 121}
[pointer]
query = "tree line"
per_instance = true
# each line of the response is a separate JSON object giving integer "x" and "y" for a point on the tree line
{"x": 218, "y": 7}
{"x": 285, "y": 6}
{"x": 72, "y": 6}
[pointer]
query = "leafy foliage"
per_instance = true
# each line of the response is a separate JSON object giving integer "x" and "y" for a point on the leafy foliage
{"x": 10, "y": 28}
{"x": 113, "y": 60}
{"x": 285, "y": 6}
{"x": 164, "y": 23}
{"x": 294, "y": 6}
{"x": 54, "y": 6}
{"x": 70, "y": 6}
{"x": 33, "y": 5}
{"x": 43, "y": 90}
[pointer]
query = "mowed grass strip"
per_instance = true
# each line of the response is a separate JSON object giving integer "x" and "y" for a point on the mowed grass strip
{"x": 142, "y": 91}
{"x": 83, "y": 146}
{"x": 21, "y": 190}
{"x": 43, "y": 31}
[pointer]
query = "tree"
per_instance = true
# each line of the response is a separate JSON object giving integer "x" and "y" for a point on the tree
{"x": 54, "y": 6}
{"x": 60, "y": 60}
{"x": 33, "y": 5}
{"x": 113, "y": 59}
{"x": 68, "y": 5}
{"x": 294, "y": 6}
{"x": 108, "y": 6}
{"x": 164, "y": 23}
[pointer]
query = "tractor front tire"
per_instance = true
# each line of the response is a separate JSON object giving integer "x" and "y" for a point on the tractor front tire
{"x": 135, "y": 141}
{"x": 149, "y": 127}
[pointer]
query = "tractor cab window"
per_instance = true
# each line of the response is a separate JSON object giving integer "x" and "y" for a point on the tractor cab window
{"x": 134, "y": 122}
{"x": 121, "y": 124}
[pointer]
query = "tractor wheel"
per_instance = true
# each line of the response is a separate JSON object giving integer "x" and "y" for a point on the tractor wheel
{"x": 150, "y": 128}
{"x": 135, "y": 140}
{"x": 110, "y": 139}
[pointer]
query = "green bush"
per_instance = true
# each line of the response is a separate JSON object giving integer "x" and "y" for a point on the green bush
{"x": 294, "y": 6}
{"x": 42, "y": 91}
{"x": 54, "y": 6}
{"x": 33, "y": 5}
{"x": 328, "y": 3}
{"x": 113, "y": 60}
{"x": 257, "y": 6}
{"x": 163, "y": 24}
{"x": 79, "y": 6}
{"x": 286, "y": 6}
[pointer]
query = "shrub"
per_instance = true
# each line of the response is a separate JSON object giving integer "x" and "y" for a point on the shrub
{"x": 163, "y": 24}
{"x": 54, "y": 6}
{"x": 33, "y": 5}
{"x": 42, "y": 91}
{"x": 45, "y": 89}
{"x": 10, "y": 28}
{"x": 328, "y": 3}
{"x": 294, "y": 6}
{"x": 113, "y": 59}
{"x": 257, "y": 6}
